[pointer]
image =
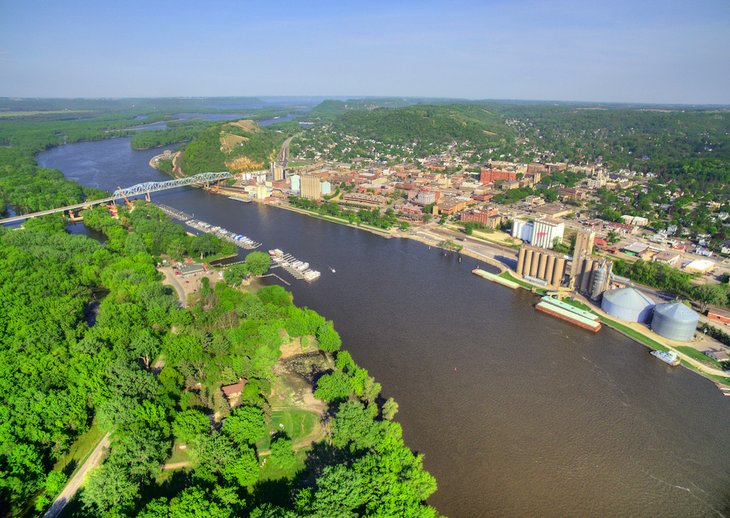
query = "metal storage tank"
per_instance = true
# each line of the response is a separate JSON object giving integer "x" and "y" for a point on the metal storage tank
{"x": 627, "y": 304}
{"x": 675, "y": 321}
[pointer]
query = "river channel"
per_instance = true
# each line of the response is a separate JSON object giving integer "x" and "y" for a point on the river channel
{"x": 518, "y": 414}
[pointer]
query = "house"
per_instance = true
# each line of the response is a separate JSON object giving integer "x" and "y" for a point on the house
{"x": 234, "y": 390}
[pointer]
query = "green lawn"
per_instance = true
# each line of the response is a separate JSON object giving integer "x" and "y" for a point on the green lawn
{"x": 577, "y": 304}
{"x": 634, "y": 334}
{"x": 79, "y": 450}
{"x": 295, "y": 423}
{"x": 699, "y": 356}
{"x": 506, "y": 275}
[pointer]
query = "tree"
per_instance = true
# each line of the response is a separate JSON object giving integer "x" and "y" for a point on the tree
{"x": 710, "y": 294}
{"x": 333, "y": 386}
{"x": 258, "y": 263}
{"x": 339, "y": 491}
{"x": 329, "y": 339}
{"x": 246, "y": 425}
{"x": 189, "y": 424}
{"x": 243, "y": 468}
{"x": 109, "y": 488}
{"x": 390, "y": 408}
{"x": 235, "y": 274}
{"x": 282, "y": 453}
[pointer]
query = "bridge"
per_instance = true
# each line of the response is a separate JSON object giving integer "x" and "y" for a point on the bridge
{"x": 136, "y": 190}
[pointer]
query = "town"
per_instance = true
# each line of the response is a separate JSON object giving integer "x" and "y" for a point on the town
{"x": 542, "y": 223}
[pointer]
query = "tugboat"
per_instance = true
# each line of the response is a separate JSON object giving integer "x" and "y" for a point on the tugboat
{"x": 669, "y": 357}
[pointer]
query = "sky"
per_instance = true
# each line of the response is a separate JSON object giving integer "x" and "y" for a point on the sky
{"x": 657, "y": 51}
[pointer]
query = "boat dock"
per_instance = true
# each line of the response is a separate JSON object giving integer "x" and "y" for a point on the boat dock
{"x": 174, "y": 213}
{"x": 298, "y": 269}
{"x": 237, "y": 239}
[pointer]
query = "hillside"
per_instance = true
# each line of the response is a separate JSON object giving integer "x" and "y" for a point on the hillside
{"x": 409, "y": 132}
{"x": 233, "y": 146}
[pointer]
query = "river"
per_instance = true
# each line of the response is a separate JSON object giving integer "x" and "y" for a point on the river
{"x": 517, "y": 413}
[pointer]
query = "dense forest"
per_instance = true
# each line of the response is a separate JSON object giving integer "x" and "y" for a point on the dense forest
{"x": 93, "y": 341}
{"x": 176, "y": 132}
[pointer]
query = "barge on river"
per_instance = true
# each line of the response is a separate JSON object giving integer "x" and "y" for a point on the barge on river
{"x": 569, "y": 313}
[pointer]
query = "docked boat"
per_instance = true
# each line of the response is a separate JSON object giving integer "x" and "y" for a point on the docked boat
{"x": 668, "y": 357}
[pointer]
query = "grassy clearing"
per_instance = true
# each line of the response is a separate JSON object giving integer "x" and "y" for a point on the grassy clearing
{"x": 297, "y": 424}
{"x": 577, "y": 304}
{"x": 79, "y": 450}
{"x": 699, "y": 356}
{"x": 631, "y": 333}
{"x": 506, "y": 275}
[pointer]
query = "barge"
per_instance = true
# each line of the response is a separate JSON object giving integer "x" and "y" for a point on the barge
{"x": 570, "y": 314}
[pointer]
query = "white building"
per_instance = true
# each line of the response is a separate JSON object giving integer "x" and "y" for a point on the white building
{"x": 522, "y": 229}
{"x": 295, "y": 182}
{"x": 544, "y": 232}
{"x": 326, "y": 188}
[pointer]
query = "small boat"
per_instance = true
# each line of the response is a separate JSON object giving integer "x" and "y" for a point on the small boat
{"x": 332, "y": 269}
{"x": 668, "y": 357}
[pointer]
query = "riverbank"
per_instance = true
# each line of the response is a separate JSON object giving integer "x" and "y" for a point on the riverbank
{"x": 637, "y": 332}
{"x": 382, "y": 233}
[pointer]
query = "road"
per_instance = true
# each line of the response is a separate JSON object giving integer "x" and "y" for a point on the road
{"x": 92, "y": 461}
{"x": 283, "y": 157}
{"x": 504, "y": 255}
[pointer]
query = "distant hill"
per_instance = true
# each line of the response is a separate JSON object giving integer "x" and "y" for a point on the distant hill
{"x": 431, "y": 124}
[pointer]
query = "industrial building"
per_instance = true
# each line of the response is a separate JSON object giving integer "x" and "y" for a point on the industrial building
{"x": 542, "y": 266}
{"x": 674, "y": 321}
{"x": 627, "y": 304}
{"x": 277, "y": 171}
{"x": 543, "y": 232}
{"x": 311, "y": 187}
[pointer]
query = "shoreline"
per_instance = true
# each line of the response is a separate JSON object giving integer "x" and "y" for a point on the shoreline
{"x": 707, "y": 372}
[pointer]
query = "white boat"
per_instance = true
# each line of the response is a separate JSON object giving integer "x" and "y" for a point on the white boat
{"x": 332, "y": 269}
{"x": 311, "y": 275}
{"x": 668, "y": 357}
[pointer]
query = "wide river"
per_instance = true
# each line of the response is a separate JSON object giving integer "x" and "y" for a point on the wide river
{"x": 518, "y": 414}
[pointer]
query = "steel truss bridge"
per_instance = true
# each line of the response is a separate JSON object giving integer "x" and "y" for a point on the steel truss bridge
{"x": 143, "y": 189}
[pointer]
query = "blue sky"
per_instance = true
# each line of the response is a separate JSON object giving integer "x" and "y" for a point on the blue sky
{"x": 626, "y": 51}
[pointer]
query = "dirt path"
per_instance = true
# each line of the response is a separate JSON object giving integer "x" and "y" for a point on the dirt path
{"x": 93, "y": 460}
{"x": 177, "y": 465}
{"x": 170, "y": 279}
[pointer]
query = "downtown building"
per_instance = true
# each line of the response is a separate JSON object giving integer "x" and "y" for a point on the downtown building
{"x": 542, "y": 233}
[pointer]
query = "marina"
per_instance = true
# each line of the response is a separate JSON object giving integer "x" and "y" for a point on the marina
{"x": 237, "y": 239}
{"x": 298, "y": 269}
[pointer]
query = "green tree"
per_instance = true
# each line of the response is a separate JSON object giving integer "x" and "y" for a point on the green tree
{"x": 235, "y": 274}
{"x": 282, "y": 453}
{"x": 246, "y": 425}
{"x": 390, "y": 408}
{"x": 243, "y": 468}
{"x": 333, "y": 386}
{"x": 189, "y": 424}
{"x": 258, "y": 263}
{"x": 329, "y": 339}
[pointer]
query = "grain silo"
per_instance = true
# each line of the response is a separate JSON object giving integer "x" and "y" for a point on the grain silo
{"x": 627, "y": 304}
{"x": 675, "y": 321}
